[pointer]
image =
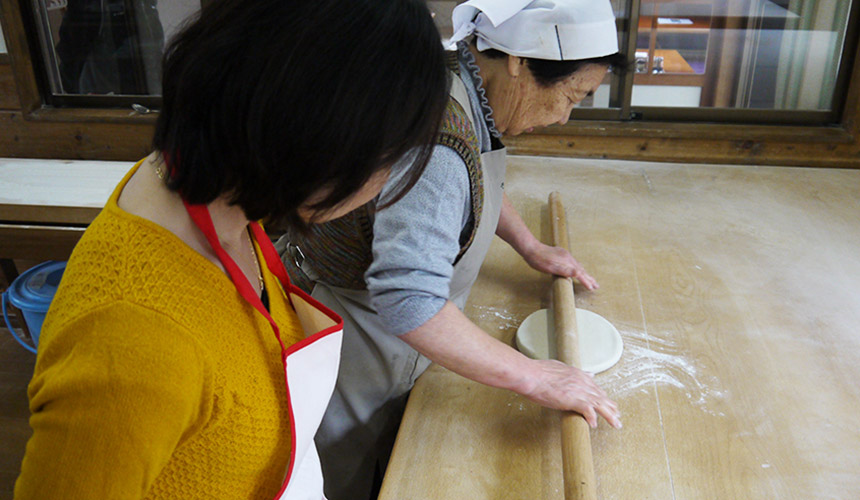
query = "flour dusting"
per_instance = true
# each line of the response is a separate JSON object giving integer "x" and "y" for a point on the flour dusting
{"x": 650, "y": 361}
{"x": 508, "y": 321}
{"x": 647, "y": 362}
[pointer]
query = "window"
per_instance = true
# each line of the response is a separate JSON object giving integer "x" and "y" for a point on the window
{"x": 781, "y": 58}
{"x": 745, "y": 61}
{"x": 763, "y": 55}
{"x": 720, "y": 81}
{"x": 106, "y": 47}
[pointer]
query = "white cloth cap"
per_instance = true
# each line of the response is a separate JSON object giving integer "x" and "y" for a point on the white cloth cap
{"x": 540, "y": 29}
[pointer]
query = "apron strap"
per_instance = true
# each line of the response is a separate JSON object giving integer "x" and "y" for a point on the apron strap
{"x": 270, "y": 255}
{"x": 203, "y": 220}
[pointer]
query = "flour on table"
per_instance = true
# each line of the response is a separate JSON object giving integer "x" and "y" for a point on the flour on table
{"x": 650, "y": 361}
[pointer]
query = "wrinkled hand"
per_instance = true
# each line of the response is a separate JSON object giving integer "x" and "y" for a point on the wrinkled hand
{"x": 564, "y": 387}
{"x": 558, "y": 261}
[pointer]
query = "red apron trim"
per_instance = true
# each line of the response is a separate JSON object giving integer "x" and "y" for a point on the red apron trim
{"x": 203, "y": 220}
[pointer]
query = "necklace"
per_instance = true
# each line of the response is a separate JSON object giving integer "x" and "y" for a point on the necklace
{"x": 256, "y": 262}
{"x": 160, "y": 173}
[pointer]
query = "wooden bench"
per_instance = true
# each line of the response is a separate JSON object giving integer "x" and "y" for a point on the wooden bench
{"x": 45, "y": 206}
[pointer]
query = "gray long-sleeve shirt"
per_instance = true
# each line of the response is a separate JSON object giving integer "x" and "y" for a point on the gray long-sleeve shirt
{"x": 416, "y": 240}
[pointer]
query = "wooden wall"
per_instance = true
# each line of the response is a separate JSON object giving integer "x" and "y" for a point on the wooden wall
{"x": 31, "y": 130}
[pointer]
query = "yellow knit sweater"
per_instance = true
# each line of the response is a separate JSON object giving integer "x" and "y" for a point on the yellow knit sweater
{"x": 154, "y": 378}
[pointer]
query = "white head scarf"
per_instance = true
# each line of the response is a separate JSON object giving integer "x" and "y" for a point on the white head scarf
{"x": 540, "y": 29}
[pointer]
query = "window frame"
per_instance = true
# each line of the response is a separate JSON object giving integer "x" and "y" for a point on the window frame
{"x": 36, "y": 130}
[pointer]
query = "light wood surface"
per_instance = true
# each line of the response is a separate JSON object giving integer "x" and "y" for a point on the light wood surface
{"x": 45, "y": 205}
{"x": 57, "y": 184}
{"x": 737, "y": 293}
{"x": 576, "y": 460}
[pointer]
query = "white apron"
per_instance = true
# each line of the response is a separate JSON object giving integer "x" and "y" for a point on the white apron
{"x": 310, "y": 370}
{"x": 310, "y": 366}
{"x": 378, "y": 369}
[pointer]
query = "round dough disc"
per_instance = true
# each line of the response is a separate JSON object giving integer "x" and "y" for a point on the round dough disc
{"x": 600, "y": 344}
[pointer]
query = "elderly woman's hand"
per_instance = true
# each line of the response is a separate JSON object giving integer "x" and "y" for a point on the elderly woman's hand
{"x": 540, "y": 256}
{"x": 558, "y": 261}
{"x": 453, "y": 341}
{"x": 564, "y": 387}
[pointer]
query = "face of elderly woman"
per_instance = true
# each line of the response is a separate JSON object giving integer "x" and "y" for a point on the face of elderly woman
{"x": 525, "y": 104}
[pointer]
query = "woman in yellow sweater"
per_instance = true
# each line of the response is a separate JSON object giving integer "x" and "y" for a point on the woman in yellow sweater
{"x": 177, "y": 361}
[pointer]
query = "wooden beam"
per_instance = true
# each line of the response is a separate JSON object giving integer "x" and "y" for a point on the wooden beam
{"x": 23, "y": 138}
{"x": 8, "y": 91}
{"x": 38, "y": 242}
{"x": 41, "y": 214}
{"x": 703, "y": 150}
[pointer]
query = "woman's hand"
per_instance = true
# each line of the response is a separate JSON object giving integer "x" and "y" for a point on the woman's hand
{"x": 558, "y": 261}
{"x": 449, "y": 339}
{"x": 564, "y": 387}
{"x": 544, "y": 258}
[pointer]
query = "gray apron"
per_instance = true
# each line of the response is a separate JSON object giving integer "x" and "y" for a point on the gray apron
{"x": 378, "y": 369}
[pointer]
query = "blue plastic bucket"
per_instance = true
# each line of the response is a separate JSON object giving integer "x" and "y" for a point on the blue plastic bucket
{"x": 31, "y": 293}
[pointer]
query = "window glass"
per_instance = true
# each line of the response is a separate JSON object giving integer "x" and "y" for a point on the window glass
{"x": 714, "y": 55}
{"x": 601, "y": 96}
{"x": 108, "y": 47}
{"x": 2, "y": 42}
{"x": 750, "y": 54}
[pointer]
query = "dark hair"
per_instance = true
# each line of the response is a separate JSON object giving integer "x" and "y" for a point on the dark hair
{"x": 270, "y": 102}
{"x": 549, "y": 72}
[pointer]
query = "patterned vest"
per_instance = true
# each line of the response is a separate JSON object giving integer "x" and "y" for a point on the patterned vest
{"x": 339, "y": 251}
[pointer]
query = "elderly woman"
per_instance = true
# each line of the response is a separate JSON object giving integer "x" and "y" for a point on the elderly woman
{"x": 177, "y": 361}
{"x": 525, "y": 64}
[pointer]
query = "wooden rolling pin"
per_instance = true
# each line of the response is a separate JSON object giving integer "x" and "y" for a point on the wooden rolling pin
{"x": 577, "y": 463}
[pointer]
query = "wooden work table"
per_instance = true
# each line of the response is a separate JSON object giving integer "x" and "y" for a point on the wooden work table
{"x": 737, "y": 293}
